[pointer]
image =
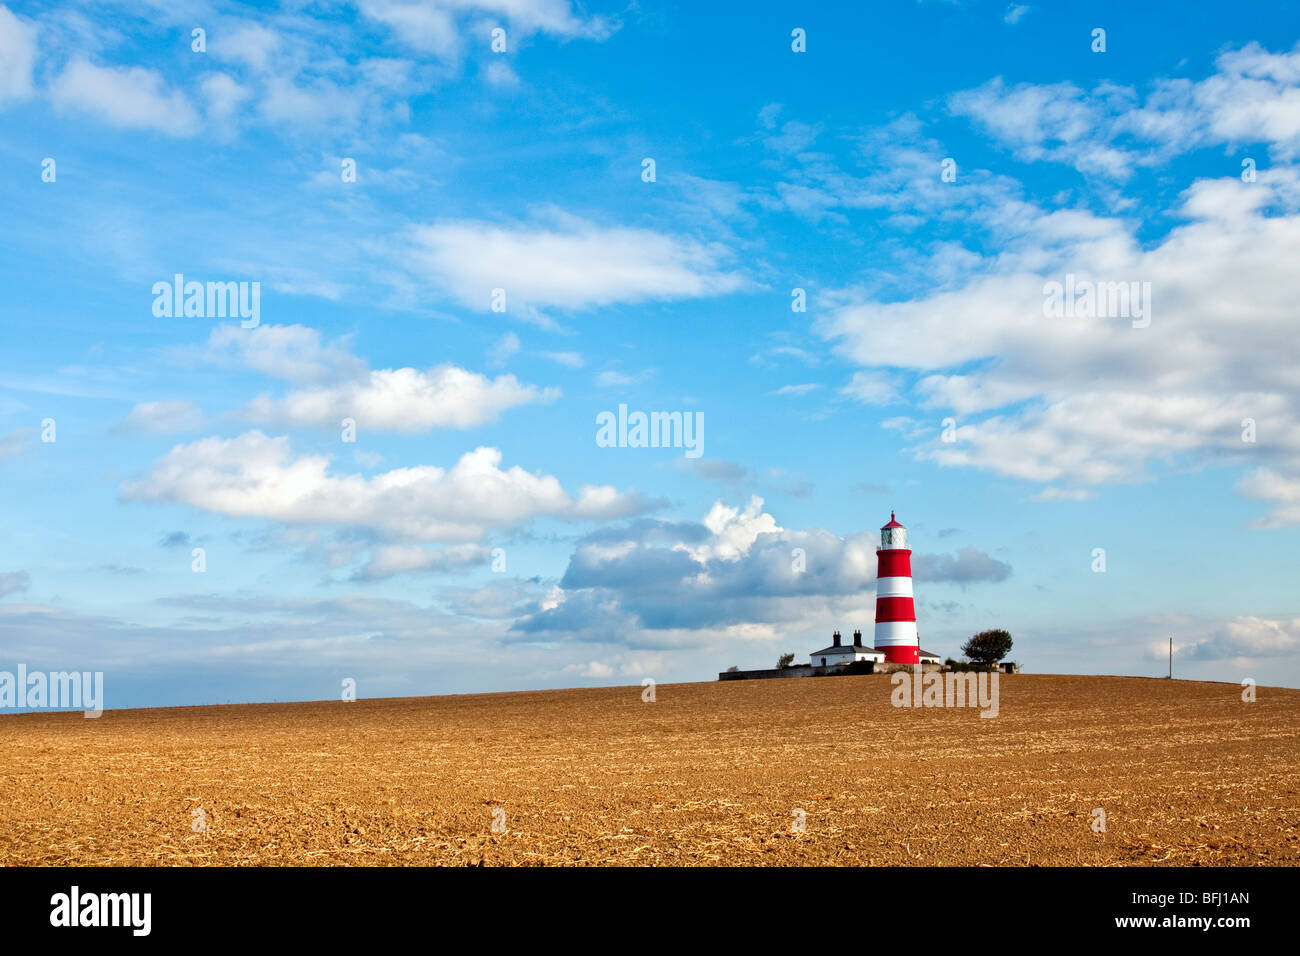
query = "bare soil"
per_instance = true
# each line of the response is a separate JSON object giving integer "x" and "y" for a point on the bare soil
{"x": 710, "y": 773}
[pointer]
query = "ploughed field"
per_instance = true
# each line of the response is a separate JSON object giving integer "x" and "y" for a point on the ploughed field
{"x": 710, "y": 773}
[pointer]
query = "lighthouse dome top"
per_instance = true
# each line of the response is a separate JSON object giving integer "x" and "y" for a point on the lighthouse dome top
{"x": 893, "y": 536}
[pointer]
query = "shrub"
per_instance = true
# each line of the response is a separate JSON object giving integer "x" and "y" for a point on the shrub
{"x": 988, "y": 647}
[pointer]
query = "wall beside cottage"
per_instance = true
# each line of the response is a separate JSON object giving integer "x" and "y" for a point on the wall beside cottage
{"x": 799, "y": 670}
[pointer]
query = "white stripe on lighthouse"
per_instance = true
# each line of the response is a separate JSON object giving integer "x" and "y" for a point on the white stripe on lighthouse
{"x": 893, "y": 587}
{"x": 894, "y": 633}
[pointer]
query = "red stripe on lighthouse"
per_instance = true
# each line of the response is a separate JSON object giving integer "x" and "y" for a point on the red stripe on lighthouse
{"x": 895, "y": 609}
{"x": 895, "y": 563}
{"x": 903, "y": 654}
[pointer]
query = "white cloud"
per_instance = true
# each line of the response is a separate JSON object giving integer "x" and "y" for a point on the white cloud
{"x": 1253, "y": 97}
{"x": 590, "y": 669}
{"x": 500, "y": 74}
{"x": 251, "y": 44}
{"x": 795, "y": 137}
{"x": 129, "y": 97}
{"x": 1242, "y": 638}
{"x": 734, "y": 531}
{"x": 613, "y": 378}
{"x": 1057, "y": 122}
{"x": 320, "y": 103}
{"x": 733, "y": 575}
{"x": 17, "y": 56}
{"x": 388, "y": 560}
{"x": 872, "y": 388}
{"x": 572, "y": 265}
{"x": 162, "y": 417}
{"x": 258, "y": 476}
{"x": 1014, "y": 13}
{"x": 506, "y": 348}
{"x": 1064, "y": 494}
{"x": 802, "y": 389}
{"x": 567, "y": 359}
{"x": 435, "y": 26}
{"x": 404, "y": 399}
{"x": 1281, "y": 491}
{"x": 423, "y": 26}
{"x": 224, "y": 95}
{"x": 291, "y": 352}
{"x": 1102, "y": 400}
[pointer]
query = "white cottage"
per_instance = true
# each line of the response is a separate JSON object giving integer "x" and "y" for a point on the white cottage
{"x": 840, "y": 653}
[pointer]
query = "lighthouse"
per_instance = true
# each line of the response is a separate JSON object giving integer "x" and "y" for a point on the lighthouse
{"x": 895, "y": 613}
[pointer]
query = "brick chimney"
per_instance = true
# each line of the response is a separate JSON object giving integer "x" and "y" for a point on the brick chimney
{"x": 837, "y": 638}
{"x": 857, "y": 638}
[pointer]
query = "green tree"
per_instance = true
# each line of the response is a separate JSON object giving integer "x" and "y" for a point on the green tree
{"x": 988, "y": 647}
{"x": 784, "y": 661}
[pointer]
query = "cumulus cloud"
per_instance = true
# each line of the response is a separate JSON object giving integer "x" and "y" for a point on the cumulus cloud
{"x": 403, "y": 400}
{"x": 1243, "y": 637}
{"x": 506, "y": 348}
{"x": 129, "y": 97}
{"x": 1015, "y": 12}
{"x": 1280, "y": 491}
{"x": 571, "y": 265}
{"x": 389, "y": 560}
{"x": 662, "y": 583}
{"x": 613, "y": 378}
{"x": 436, "y": 26}
{"x": 17, "y": 56}
{"x": 797, "y": 390}
{"x": 250, "y": 44}
{"x": 567, "y": 359}
{"x": 295, "y": 353}
{"x": 1058, "y": 122}
{"x": 258, "y": 476}
{"x": 337, "y": 385}
{"x": 1063, "y": 494}
{"x": 497, "y": 600}
{"x": 1090, "y": 400}
{"x": 872, "y": 388}
{"x": 1253, "y": 96}
{"x": 224, "y": 95}
{"x": 162, "y": 417}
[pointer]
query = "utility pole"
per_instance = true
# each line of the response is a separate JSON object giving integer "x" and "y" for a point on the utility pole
{"x": 1171, "y": 658}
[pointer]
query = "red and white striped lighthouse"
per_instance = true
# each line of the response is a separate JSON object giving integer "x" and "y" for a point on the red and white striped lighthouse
{"x": 895, "y": 612}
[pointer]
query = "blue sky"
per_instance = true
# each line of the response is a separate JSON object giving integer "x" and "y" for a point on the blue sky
{"x": 475, "y": 536}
